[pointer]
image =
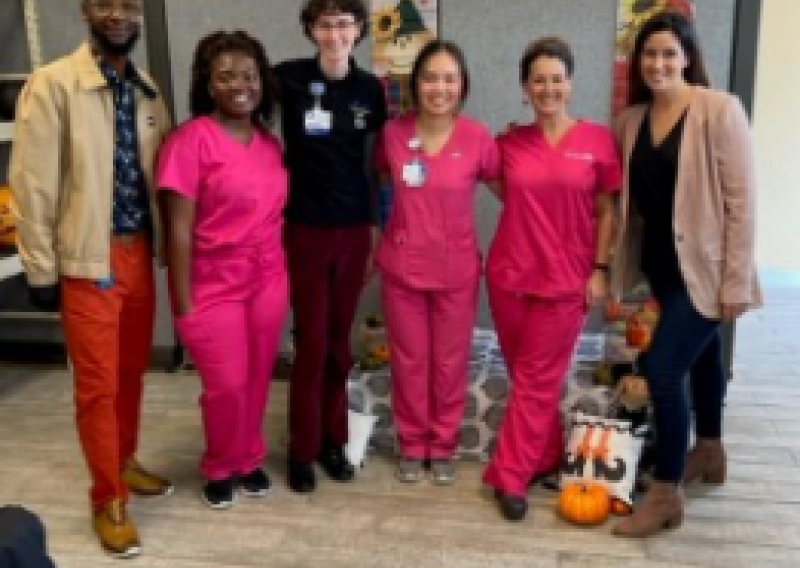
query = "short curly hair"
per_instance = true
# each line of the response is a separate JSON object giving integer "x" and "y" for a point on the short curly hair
{"x": 313, "y": 9}
{"x": 207, "y": 51}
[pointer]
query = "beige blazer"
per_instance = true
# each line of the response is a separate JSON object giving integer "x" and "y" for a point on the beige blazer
{"x": 714, "y": 216}
{"x": 62, "y": 167}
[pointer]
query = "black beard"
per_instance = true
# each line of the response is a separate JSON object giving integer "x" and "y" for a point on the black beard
{"x": 111, "y": 48}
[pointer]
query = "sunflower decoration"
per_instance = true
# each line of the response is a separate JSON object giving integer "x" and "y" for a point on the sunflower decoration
{"x": 385, "y": 23}
{"x": 634, "y": 13}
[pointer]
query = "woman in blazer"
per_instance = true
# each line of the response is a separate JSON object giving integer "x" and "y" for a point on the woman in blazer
{"x": 687, "y": 224}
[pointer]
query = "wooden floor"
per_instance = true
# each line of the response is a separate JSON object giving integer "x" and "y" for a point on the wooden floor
{"x": 753, "y": 521}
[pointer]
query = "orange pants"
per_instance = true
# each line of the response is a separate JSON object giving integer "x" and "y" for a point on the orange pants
{"x": 108, "y": 327}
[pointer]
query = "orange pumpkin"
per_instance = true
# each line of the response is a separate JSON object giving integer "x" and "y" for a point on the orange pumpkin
{"x": 584, "y": 503}
{"x": 638, "y": 334}
{"x": 8, "y": 232}
{"x": 381, "y": 352}
{"x": 620, "y": 507}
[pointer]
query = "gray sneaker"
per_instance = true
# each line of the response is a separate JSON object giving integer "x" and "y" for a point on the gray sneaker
{"x": 443, "y": 471}
{"x": 409, "y": 470}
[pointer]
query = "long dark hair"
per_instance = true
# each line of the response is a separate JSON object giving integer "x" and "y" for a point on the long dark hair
{"x": 682, "y": 28}
{"x": 432, "y": 48}
{"x": 214, "y": 45}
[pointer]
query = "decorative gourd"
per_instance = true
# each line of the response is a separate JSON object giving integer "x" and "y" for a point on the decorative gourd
{"x": 633, "y": 393}
{"x": 8, "y": 231}
{"x": 584, "y": 503}
{"x": 620, "y": 507}
{"x": 637, "y": 333}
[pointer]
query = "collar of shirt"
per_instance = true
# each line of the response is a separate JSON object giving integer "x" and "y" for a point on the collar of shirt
{"x": 131, "y": 74}
{"x": 352, "y": 70}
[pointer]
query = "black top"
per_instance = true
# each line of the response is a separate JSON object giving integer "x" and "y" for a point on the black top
{"x": 654, "y": 171}
{"x": 328, "y": 183}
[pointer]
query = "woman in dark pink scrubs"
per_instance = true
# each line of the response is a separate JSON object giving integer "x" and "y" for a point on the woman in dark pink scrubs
{"x": 547, "y": 263}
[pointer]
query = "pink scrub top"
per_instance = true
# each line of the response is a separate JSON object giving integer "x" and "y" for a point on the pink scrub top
{"x": 546, "y": 237}
{"x": 240, "y": 189}
{"x": 429, "y": 241}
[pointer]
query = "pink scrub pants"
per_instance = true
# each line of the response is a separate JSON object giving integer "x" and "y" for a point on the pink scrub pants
{"x": 240, "y": 302}
{"x": 430, "y": 336}
{"x": 537, "y": 337}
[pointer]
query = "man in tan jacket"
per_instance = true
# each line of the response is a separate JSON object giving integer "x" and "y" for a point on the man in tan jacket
{"x": 86, "y": 134}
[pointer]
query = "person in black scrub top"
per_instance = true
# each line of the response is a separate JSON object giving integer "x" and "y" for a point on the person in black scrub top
{"x": 331, "y": 110}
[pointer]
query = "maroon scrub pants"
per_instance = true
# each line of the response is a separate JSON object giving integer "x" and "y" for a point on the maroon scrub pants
{"x": 326, "y": 276}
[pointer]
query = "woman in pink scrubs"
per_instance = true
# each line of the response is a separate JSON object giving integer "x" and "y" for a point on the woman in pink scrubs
{"x": 224, "y": 188}
{"x": 547, "y": 264}
{"x": 429, "y": 260}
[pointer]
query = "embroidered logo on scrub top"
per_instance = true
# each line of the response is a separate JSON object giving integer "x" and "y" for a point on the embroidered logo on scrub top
{"x": 360, "y": 113}
{"x": 584, "y": 156}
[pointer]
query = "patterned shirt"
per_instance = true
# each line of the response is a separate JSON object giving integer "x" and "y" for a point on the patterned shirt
{"x": 131, "y": 209}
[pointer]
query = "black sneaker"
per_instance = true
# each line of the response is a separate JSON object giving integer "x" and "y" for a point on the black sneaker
{"x": 335, "y": 464}
{"x": 218, "y": 494}
{"x": 254, "y": 484}
{"x": 512, "y": 507}
{"x": 301, "y": 477}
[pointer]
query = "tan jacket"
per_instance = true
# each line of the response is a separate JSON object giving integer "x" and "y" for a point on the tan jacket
{"x": 62, "y": 167}
{"x": 714, "y": 216}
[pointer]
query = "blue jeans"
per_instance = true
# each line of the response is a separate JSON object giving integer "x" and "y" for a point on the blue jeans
{"x": 684, "y": 343}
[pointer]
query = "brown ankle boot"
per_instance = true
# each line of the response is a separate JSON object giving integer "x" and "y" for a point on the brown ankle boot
{"x": 661, "y": 508}
{"x": 115, "y": 530}
{"x": 706, "y": 461}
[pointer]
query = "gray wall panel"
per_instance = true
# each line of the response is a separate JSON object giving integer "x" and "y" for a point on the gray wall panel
{"x": 715, "y": 26}
{"x": 493, "y": 34}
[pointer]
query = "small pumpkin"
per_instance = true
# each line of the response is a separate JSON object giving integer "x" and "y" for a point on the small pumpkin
{"x": 620, "y": 507}
{"x": 584, "y": 503}
{"x": 381, "y": 353}
{"x": 8, "y": 231}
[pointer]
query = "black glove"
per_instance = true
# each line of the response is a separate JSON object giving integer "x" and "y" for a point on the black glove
{"x": 45, "y": 298}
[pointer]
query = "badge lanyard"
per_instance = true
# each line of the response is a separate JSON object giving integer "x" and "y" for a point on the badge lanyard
{"x": 415, "y": 172}
{"x": 317, "y": 119}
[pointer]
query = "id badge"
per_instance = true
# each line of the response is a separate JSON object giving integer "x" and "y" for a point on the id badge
{"x": 414, "y": 173}
{"x": 317, "y": 122}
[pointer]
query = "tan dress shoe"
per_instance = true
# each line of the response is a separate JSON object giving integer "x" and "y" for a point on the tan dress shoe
{"x": 661, "y": 508}
{"x": 706, "y": 462}
{"x": 144, "y": 483}
{"x": 115, "y": 530}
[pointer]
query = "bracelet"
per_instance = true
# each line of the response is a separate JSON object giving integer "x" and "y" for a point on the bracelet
{"x": 601, "y": 266}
